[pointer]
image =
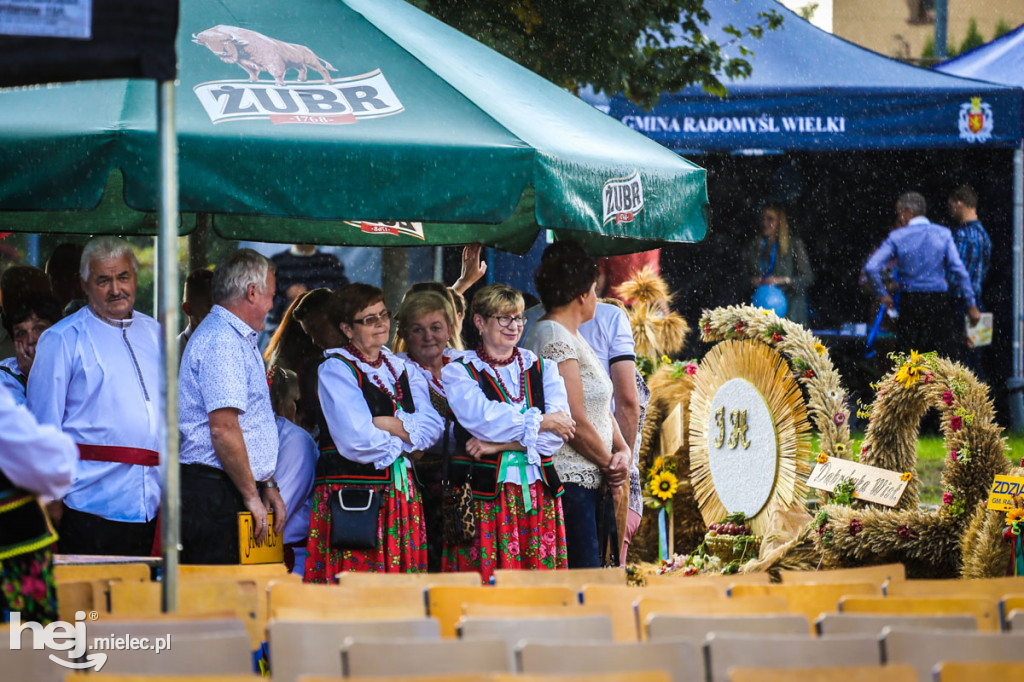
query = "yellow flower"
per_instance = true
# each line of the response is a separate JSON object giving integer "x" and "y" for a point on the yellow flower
{"x": 819, "y": 348}
{"x": 666, "y": 360}
{"x": 822, "y": 458}
{"x": 1013, "y": 516}
{"x": 765, "y": 311}
{"x": 915, "y": 357}
{"x": 908, "y": 375}
{"x": 664, "y": 485}
{"x": 658, "y": 465}
{"x": 906, "y": 476}
{"x": 840, "y": 448}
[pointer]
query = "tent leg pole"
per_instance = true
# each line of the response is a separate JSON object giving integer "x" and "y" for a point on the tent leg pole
{"x": 438, "y": 263}
{"x": 167, "y": 254}
{"x": 1015, "y": 384}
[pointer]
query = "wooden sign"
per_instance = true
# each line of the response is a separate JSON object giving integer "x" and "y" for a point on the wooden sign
{"x": 270, "y": 551}
{"x": 872, "y": 484}
{"x": 1000, "y": 497}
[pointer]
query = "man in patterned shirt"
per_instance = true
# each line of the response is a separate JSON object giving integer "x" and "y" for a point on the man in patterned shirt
{"x": 975, "y": 249}
{"x": 228, "y": 430}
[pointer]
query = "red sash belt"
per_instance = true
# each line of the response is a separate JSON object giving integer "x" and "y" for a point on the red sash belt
{"x": 120, "y": 455}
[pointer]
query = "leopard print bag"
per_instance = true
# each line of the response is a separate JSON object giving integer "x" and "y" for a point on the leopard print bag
{"x": 458, "y": 513}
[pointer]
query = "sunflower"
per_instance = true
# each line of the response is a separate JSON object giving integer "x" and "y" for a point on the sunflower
{"x": 663, "y": 485}
{"x": 915, "y": 357}
{"x": 906, "y": 476}
{"x": 821, "y": 458}
{"x": 908, "y": 374}
{"x": 1013, "y": 516}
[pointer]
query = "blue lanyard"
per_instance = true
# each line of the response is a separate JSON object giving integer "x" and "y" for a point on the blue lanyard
{"x": 769, "y": 268}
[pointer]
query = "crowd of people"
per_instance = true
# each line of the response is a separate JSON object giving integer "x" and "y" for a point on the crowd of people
{"x": 360, "y": 456}
{"x": 479, "y": 437}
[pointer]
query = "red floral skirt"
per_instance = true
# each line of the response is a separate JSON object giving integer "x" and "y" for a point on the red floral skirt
{"x": 401, "y": 536}
{"x": 508, "y": 537}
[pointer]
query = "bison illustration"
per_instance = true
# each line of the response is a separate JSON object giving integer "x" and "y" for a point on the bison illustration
{"x": 255, "y": 53}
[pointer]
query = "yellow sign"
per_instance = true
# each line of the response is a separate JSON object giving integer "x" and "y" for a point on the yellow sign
{"x": 270, "y": 551}
{"x": 1000, "y": 497}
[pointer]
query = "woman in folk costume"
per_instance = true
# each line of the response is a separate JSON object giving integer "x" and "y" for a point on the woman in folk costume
{"x": 512, "y": 414}
{"x": 377, "y": 413}
{"x": 34, "y": 460}
{"x": 424, "y": 338}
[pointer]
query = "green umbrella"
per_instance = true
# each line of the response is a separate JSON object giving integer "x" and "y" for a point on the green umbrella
{"x": 320, "y": 121}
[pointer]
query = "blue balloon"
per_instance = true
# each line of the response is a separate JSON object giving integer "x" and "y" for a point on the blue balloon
{"x": 771, "y": 298}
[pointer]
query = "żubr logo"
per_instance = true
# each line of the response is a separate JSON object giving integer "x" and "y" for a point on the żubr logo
{"x": 70, "y": 637}
{"x": 975, "y": 120}
{"x": 335, "y": 101}
{"x": 623, "y": 198}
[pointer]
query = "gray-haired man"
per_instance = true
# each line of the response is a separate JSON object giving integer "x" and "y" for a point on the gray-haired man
{"x": 96, "y": 377}
{"x": 228, "y": 433}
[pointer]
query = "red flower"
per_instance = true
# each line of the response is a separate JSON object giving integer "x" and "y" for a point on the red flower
{"x": 956, "y": 423}
{"x": 691, "y": 368}
{"x": 855, "y": 527}
{"x": 839, "y": 418}
{"x": 928, "y": 378}
{"x": 808, "y": 374}
{"x": 904, "y": 533}
{"x": 947, "y": 397}
{"x": 947, "y": 498}
{"x": 822, "y": 528}
{"x": 33, "y": 587}
{"x": 953, "y": 455}
{"x": 740, "y": 326}
{"x": 707, "y": 329}
{"x": 776, "y": 337}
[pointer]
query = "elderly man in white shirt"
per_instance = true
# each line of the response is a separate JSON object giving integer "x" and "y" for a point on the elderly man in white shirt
{"x": 96, "y": 377}
{"x": 229, "y": 438}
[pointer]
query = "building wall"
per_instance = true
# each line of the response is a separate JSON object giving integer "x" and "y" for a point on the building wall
{"x": 885, "y": 26}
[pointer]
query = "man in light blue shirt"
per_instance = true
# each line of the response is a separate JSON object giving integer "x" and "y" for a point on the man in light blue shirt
{"x": 228, "y": 432}
{"x": 926, "y": 260}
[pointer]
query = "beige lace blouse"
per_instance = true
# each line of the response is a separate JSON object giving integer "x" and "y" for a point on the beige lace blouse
{"x": 551, "y": 340}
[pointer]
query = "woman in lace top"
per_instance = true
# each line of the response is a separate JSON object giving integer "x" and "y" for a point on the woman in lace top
{"x": 597, "y": 454}
{"x": 512, "y": 416}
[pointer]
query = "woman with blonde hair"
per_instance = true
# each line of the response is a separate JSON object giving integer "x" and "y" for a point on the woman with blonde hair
{"x": 512, "y": 416}
{"x": 426, "y": 330}
{"x": 777, "y": 258}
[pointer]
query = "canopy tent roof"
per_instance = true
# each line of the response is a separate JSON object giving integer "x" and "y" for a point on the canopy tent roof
{"x": 812, "y": 91}
{"x": 418, "y": 123}
{"x": 1000, "y": 61}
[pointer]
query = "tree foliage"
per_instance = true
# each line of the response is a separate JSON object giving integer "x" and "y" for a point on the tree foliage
{"x": 612, "y": 45}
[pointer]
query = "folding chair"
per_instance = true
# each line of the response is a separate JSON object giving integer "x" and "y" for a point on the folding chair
{"x": 725, "y": 651}
{"x": 972, "y": 672}
{"x": 923, "y": 649}
{"x": 846, "y": 673}
{"x": 378, "y": 658}
{"x": 984, "y": 609}
{"x": 810, "y": 599}
{"x": 445, "y": 602}
{"x": 682, "y": 659}
{"x": 863, "y": 574}
{"x": 664, "y": 626}
{"x": 867, "y": 624}
{"x": 512, "y": 630}
{"x": 575, "y": 578}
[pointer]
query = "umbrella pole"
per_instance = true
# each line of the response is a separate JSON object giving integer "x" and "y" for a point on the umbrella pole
{"x": 167, "y": 296}
{"x": 1016, "y": 383}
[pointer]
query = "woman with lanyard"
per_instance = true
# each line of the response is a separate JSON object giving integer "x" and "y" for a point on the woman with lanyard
{"x": 512, "y": 416}
{"x": 779, "y": 259}
{"x": 426, "y": 330}
{"x": 376, "y": 414}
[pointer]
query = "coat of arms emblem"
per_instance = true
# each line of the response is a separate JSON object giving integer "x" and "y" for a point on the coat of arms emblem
{"x": 975, "y": 120}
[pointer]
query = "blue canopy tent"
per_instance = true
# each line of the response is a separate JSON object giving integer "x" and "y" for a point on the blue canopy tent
{"x": 834, "y": 131}
{"x": 812, "y": 91}
{"x": 1002, "y": 61}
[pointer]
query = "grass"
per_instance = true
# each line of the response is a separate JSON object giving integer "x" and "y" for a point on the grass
{"x": 931, "y": 459}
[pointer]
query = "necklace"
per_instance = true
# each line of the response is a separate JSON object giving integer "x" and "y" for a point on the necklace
{"x": 433, "y": 380}
{"x": 518, "y": 358}
{"x": 382, "y": 359}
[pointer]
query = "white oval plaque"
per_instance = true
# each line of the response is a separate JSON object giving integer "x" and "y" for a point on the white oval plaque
{"x": 743, "y": 451}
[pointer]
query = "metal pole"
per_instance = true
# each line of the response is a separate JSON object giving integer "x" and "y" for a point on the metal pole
{"x": 167, "y": 254}
{"x": 438, "y": 263}
{"x": 941, "y": 21}
{"x": 1016, "y": 383}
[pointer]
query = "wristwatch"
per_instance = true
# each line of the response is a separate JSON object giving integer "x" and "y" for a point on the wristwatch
{"x": 270, "y": 484}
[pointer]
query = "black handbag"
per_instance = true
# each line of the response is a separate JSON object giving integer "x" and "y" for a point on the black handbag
{"x": 355, "y": 517}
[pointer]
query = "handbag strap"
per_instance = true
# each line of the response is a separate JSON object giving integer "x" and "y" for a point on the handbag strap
{"x": 607, "y": 531}
{"x": 446, "y": 455}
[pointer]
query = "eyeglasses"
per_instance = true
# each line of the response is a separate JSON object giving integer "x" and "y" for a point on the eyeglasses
{"x": 371, "y": 320}
{"x": 508, "y": 320}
